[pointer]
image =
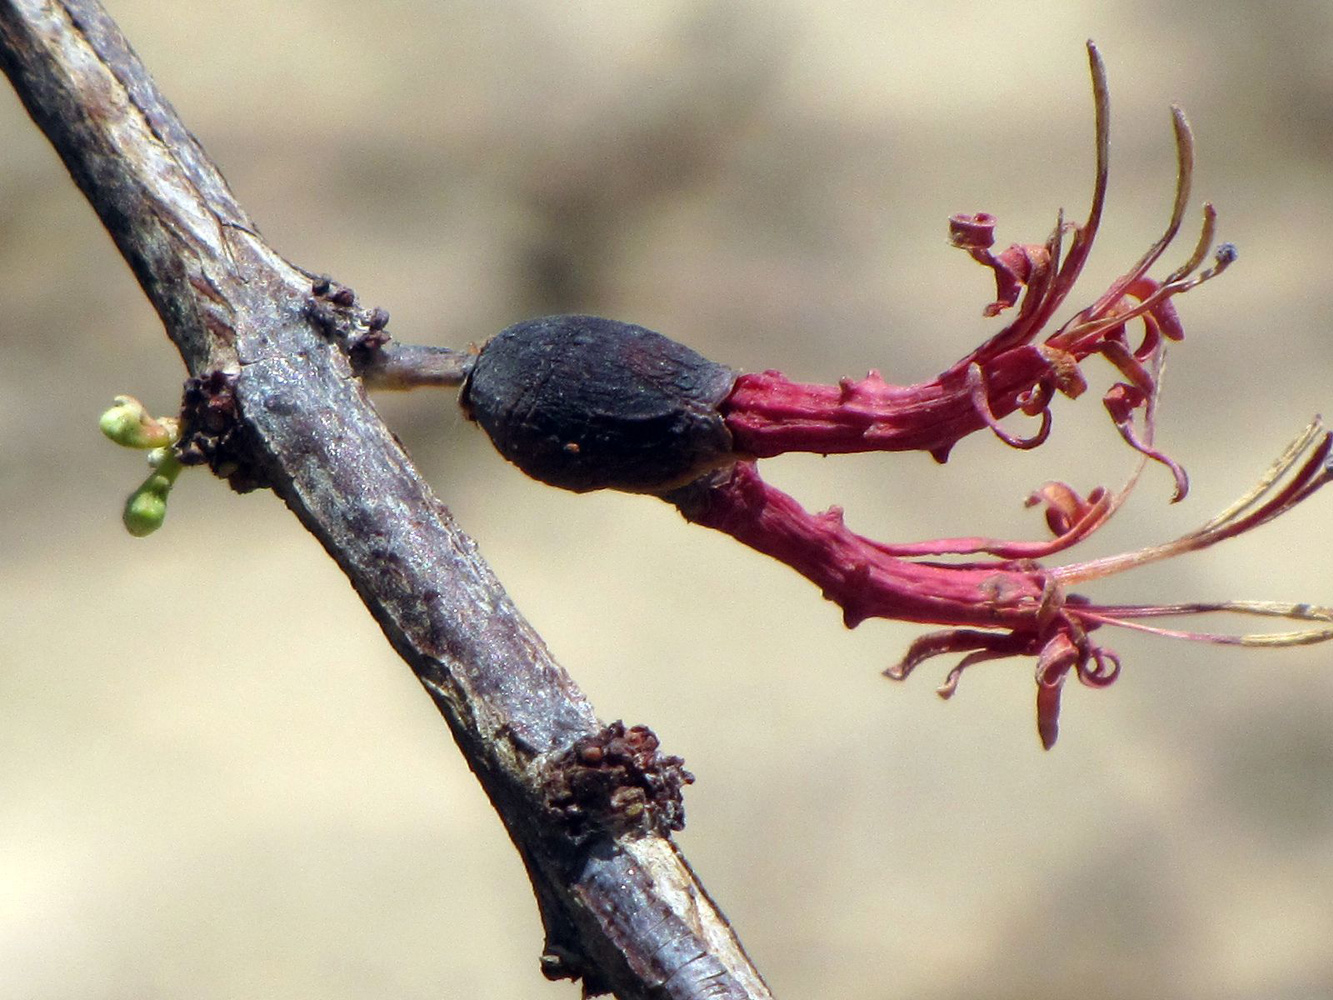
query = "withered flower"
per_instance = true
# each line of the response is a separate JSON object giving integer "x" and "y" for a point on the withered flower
{"x": 586, "y": 403}
{"x": 768, "y": 414}
{"x": 1010, "y": 604}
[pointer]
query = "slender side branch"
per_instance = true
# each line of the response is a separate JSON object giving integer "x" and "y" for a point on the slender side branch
{"x": 621, "y": 907}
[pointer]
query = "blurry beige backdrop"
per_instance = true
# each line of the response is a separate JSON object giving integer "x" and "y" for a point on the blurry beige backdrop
{"x": 237, "y": 791}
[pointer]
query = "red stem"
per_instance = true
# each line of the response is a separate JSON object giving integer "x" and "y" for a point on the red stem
{"x": 768, "y": 414}
{"x": 854, "y": 572}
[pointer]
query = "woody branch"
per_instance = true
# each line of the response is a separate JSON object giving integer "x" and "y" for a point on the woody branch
{"x": 620, "y": 905}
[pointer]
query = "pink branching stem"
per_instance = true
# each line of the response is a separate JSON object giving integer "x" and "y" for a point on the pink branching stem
{"x": 994, "y": 609}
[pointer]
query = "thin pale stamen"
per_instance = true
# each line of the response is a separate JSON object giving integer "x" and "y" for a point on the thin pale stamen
{"x": 1311, "y": 448}
{"x": 1122, "y": 617}
{"x": 1284, "y": 464}
{"x": 1201, "y": 248}
{"x": 1184, "y": 176}
{"x": 1184, "y": 180}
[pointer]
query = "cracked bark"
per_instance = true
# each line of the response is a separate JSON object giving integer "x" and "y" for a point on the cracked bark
{"x": 620, "y": 905}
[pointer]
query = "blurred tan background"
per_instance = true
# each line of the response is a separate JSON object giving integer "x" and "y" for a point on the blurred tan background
{"x": 244, "y": 794}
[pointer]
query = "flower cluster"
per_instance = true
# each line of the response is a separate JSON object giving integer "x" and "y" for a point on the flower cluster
{"x": 1012, "y": 371}
{"x": 1007, "y": 604}
{"x": 586, "y": 403}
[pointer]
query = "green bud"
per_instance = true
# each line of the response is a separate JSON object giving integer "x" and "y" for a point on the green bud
{"x": 146, "y": 508}
{"x": 145, "y": 511}
{"x": 130, "y": 425}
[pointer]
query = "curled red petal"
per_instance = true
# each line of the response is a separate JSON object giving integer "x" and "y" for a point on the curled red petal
{"x": 1121, "y": 401}
{"x": 1099, "y": 668}
{"x": 1048, "y": 712}
{"x": 976, "y": 384}
{"x": 1058, "y": 656}
{"x": 972, "y": 232}
{"x": 1065, "y": 508}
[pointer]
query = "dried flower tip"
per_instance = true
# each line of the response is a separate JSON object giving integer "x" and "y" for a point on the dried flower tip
{"x": 1297, "y": 473}
{"x": 1062, "y": 645}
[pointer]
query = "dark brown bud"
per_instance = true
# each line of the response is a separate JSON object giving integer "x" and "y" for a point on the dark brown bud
{"x": 586, "y": 404}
